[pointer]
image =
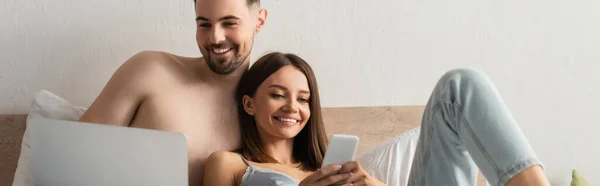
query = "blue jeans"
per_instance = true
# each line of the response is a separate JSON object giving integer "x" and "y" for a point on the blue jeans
{"x": 467, "y": 126}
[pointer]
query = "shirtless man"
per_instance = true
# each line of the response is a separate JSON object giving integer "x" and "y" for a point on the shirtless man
{"x": 194, "y": 96}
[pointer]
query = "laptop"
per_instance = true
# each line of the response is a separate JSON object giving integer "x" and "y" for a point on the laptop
{"x": 69, "y": 153}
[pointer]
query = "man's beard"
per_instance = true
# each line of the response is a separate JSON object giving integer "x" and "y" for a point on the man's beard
{"x": 221, "y": 66}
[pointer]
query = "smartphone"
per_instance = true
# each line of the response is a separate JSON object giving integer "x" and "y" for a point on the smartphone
{"x": 340, "y": 150}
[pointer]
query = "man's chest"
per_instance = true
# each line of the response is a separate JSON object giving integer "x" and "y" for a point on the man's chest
{"x": 203, "y": 118}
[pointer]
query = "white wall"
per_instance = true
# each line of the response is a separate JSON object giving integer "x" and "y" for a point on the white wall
{"x": 542, "y": 55}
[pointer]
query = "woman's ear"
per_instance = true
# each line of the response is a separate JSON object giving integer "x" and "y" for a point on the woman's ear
{"x": 248, "y": 103}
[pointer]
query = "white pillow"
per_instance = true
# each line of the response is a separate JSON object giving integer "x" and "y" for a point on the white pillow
{"x": 44, "y": 105}
{"x": 391, "y": 160}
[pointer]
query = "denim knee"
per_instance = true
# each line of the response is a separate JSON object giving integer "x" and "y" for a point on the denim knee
{"x": 465, "y": 77}
{"x": 470, "y": 74}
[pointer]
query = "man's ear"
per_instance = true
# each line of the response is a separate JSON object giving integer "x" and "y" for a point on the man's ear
{"x": 262, "y": 19}
{"x": 248, "y": 103}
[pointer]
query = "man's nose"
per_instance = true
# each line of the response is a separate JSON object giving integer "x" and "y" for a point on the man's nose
{"x": 217, "y": 36}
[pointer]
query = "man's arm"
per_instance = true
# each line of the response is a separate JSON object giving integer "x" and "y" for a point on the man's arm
{"x": 118, "y": 102}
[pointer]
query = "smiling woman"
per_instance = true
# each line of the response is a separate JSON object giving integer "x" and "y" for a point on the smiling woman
{"x": 281, "y": 124}
{"x": 280, "y": 97}
{"x": 284, "y": 138}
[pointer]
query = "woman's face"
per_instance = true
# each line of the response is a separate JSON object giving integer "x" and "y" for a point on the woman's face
{"x": 281, "y": 106}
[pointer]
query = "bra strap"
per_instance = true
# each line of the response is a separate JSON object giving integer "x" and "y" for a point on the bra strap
{"x": 244, "y": 159}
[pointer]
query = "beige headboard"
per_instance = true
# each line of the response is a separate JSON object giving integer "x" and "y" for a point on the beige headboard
{"x": 12, "y": 128}
{"x": 373, "y": 125}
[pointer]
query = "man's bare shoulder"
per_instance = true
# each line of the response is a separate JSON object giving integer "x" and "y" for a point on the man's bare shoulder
{"x": 160, "y": 56}
{"x": 159, "y": 61}
{"x": 156, "y": 67}
{"x": 142, "y": 75}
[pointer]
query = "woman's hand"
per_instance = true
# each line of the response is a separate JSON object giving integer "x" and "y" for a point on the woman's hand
{"x": 359, "y": 175}
{"x": 326, "y": 176}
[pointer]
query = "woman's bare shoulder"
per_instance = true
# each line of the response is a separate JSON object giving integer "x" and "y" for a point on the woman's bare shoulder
{"x": 223, "y": 155}
{"x": 223, "y": 168}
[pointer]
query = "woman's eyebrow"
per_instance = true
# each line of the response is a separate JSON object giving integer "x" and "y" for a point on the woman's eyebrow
{"x": 283, "y": 88}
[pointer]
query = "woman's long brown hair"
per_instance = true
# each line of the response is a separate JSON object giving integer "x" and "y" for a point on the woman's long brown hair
{"x": 310, "y": 143}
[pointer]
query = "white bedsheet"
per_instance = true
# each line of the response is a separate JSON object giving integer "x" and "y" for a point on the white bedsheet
{"x": 390, "y": 161}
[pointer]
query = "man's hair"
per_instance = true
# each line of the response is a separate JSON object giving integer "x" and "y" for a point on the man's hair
{"x": 250, "y": 2}
{"x": 310, "y": 143}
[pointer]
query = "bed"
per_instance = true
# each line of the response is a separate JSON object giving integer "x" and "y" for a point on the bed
{"x": 373, "y": 125}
